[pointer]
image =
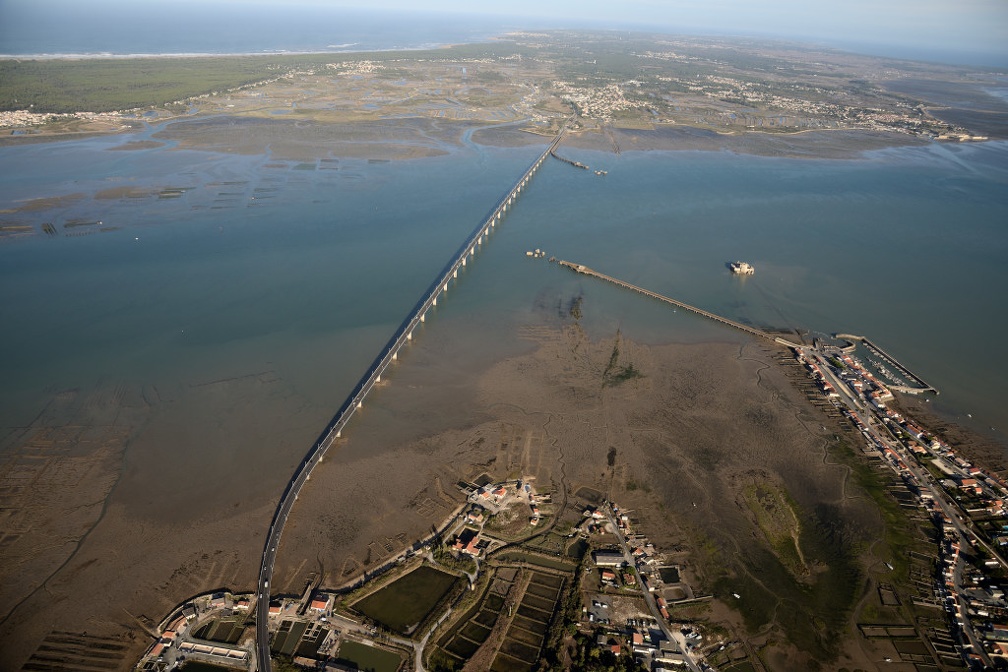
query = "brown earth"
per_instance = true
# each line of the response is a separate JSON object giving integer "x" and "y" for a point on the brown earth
{"x": 827, "y": 144}
{"x": 701, "y": 421}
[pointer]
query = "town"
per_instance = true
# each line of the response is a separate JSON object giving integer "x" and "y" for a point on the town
{"x": 965, "y": 503}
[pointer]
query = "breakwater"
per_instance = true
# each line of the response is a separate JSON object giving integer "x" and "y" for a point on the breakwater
{"x": 753, "y": 331}
{"x": 576, "y": 164}
{"x": 873, "y": 348}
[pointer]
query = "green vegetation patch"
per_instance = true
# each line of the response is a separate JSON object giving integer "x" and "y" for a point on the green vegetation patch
{"x": 65, "y": 85}
{"x": 106, "y": 85}
{"x": 775, "y": 515}
{"x": 404, "y": 603}
{"x": 614, "y": 374}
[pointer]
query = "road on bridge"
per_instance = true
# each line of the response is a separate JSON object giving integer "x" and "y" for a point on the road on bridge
{"x": 334, "y": 429}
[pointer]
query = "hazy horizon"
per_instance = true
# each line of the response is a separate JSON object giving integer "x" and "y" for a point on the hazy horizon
{"x": 972, "y": 32}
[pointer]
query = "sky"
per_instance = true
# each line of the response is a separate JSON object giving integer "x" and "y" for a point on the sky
{"x": 913, "y": 27}
{"x": 941, "y": 24}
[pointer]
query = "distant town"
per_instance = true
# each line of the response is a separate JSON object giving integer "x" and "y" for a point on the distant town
{"x": 624, "y": 81}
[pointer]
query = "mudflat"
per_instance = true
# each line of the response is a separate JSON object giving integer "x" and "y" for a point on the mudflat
{"x": 698, "y": 423}
{"x": 695, "y": 431}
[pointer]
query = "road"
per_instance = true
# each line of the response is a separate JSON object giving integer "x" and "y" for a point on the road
{"x": 676, "y": 637}
{"x": 881, "y": 433}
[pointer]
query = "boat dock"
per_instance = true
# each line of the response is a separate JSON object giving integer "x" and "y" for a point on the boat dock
{"x": 576, "y": 164}
{"x": 752, "y": 331}
{"x": 922, "y": 386}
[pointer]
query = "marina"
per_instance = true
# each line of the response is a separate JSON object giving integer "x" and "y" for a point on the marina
{"x": 920, "y": 387}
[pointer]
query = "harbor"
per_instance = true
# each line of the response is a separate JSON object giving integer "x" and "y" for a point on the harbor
{"x": 920, "y": 387}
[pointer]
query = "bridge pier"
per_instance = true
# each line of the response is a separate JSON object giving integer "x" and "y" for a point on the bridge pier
{"x": 422, "y": 317}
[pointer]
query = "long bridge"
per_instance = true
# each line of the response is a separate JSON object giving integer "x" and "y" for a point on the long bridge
{"x": 753, "y": 331}
{"x": 389, "y": 354}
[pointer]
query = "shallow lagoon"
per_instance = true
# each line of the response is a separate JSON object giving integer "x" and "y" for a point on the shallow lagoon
{"x": 266, "y": 266}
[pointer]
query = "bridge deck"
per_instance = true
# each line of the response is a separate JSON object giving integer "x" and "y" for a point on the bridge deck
{"x": 385, "y": 358}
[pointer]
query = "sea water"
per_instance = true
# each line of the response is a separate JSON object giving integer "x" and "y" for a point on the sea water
{"x": 305, "y": 270}
{"x": 215, "y": 27}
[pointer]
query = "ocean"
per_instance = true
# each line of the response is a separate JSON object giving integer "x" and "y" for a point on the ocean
{"x": 111, "y": 27}
{"x": 104, "y": 28}
{"x": 304, "y": 271}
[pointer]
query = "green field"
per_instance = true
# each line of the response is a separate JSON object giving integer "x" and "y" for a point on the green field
{"x": 407, "y": 601}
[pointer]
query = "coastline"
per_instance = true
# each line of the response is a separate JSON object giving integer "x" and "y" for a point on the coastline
{"x": 221, "y": 54}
